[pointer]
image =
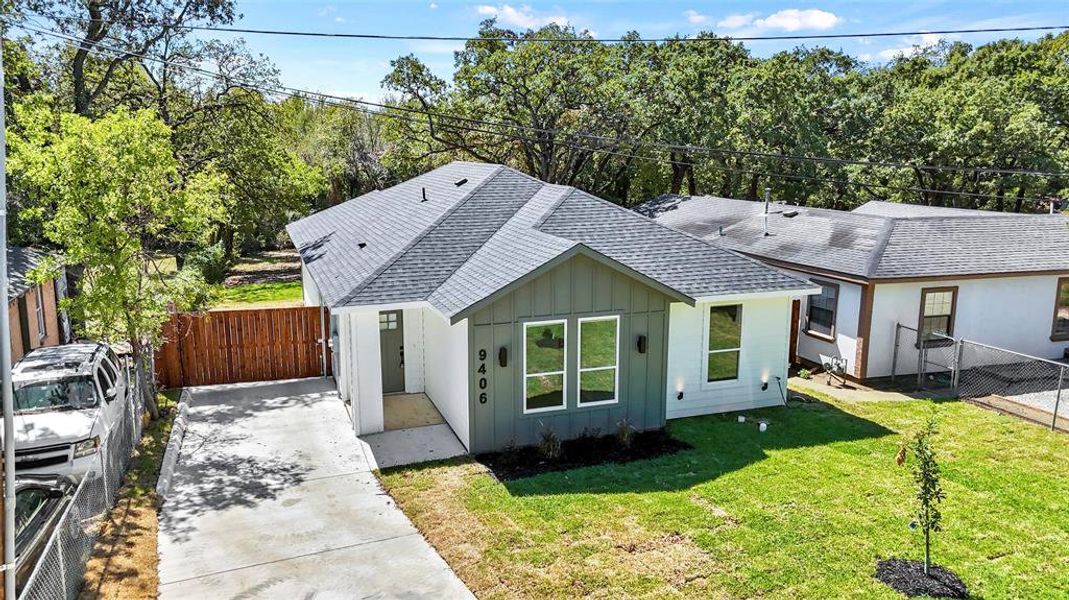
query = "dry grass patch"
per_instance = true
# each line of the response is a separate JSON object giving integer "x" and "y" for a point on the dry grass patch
{"x": 124, "y": 564}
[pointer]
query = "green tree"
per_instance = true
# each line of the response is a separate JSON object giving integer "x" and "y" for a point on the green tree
{"x": 116, "y": 189}
{"x": 267, "y": 184}
{"x": 925, "y": 469}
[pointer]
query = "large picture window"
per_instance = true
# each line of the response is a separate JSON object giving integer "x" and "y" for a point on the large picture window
{"x": 725, "y": 343}
{"x": 599, "y": 356}
{"x": 544, "y": 358}
{"x": 1060, "y": 329}
{"x": 937, "y": 312}
{"x": 820, "y": 316}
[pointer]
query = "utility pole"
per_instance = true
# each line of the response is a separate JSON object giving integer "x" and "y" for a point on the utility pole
{"x": 5, "y": 362}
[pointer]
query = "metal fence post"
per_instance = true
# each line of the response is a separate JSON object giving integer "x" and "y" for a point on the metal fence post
{"x": 955, "y": 376}
{"x": 894, "y": 356}
{"x": 62, "y": 560}
{"x": 1058, "y": 399}
{"x": 920, "y": 361}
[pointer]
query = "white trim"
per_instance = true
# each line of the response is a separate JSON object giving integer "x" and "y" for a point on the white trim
{"x": 39, "y": 313}
{"x": 737, "y": 298}
{"x": 705, "y": 383}
{"x": 340, "y": 310}
{"x": 563, "y": 372}
{"x": 579, "y": 363}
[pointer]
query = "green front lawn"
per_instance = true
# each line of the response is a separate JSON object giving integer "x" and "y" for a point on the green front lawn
{"x": 259, "y": 295}
{"x": 801, "y": 511}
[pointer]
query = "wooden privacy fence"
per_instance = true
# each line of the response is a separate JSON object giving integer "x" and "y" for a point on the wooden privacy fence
{"x": 230, "y": 346}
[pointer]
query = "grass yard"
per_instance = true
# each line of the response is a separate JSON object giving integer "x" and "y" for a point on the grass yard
{"x": 260, "y": 295}
{"x": 801, "y": 511}
{"x": 124, "y": 562}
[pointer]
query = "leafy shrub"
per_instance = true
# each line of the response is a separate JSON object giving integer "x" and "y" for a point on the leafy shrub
{"x": 805, "y": 373}
{"x": 210, "y": 261}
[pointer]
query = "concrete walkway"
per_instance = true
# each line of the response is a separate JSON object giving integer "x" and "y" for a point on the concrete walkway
{"x": 273, "y": 498}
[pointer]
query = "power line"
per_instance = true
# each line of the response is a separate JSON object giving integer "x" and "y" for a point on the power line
{"x": 348, "y": 103}
{"x": 579, "y": 40}
{"x": 687, "y": 148}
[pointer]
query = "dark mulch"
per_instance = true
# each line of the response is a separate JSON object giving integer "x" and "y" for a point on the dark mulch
{"x": 586, "y": 451}
{"x": 907, "y": 577}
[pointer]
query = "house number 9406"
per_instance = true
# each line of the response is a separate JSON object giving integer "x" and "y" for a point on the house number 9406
{"x": 482, "y": 376}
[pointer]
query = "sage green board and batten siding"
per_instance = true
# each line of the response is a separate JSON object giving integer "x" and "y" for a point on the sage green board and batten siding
{"x": 579, "y": 287}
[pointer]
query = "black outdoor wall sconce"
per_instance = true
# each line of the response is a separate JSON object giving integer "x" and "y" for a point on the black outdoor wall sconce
{"x": 503, "y": 356}
{"x": 641, "y": 344}
{"x": 679, "y": 396}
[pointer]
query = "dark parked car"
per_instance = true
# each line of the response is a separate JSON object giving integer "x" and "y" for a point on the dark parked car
{"x": 39, "y": 503}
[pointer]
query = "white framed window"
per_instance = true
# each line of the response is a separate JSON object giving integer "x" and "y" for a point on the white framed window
{"x": 545, "y": 355}
{"x": 40, "y": 310}
{"x": 723, "y": 343}
{"x": 599, "y": 359}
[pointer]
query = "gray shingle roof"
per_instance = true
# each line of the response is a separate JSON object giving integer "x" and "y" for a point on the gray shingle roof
{"x": 874, "y": 246}
{"x": 882, "y": 208}
{"x": 466, "y": 243}
{"x": 20, "y": 261}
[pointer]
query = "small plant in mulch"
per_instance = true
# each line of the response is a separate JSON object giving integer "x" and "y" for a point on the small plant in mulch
{"x": 625, "y": 433}
{"x": 549, "y": 444}
{"x": 805, "y": 374}
{"x": 922, "y": 578}
{"x": 584, "y": 451}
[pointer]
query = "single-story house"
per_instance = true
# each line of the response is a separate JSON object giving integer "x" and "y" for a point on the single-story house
{"x": 518, "y": 306}
{"x": 997, "y": 278}
{"x": 33, "y": 307}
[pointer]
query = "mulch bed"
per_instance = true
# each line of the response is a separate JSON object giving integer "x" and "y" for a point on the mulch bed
{"x": 585, "y": 451}
{"x": 907, "y": 577}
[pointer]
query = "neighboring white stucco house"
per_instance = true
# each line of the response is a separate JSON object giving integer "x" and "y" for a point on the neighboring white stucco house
{"x": 516, "y": 306}
{"x": 996, "y": 278}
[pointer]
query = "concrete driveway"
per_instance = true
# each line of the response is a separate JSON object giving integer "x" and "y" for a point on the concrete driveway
{"x": 273, "y": 498}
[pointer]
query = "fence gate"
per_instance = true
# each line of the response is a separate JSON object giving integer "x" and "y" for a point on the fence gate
{"x": 1025, "y": 385}
{"x": 231, "y": 346}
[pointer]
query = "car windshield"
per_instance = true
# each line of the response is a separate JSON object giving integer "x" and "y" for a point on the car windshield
{"x": 57, "y": 394}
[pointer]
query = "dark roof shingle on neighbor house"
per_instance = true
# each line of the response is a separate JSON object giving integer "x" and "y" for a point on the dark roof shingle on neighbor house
{"x": 20, "y": 261}
{"x": 876, "y": 243}
{"x": 460, "y": 233}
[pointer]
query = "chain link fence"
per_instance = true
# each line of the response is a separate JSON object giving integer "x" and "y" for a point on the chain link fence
{"x": 61, "y": 567}
{"x": 969, "y": 369}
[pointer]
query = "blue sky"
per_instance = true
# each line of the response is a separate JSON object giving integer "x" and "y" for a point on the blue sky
{"x": 356, "y": 67}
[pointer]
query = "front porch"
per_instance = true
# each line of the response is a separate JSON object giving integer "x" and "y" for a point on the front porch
{"x": 414, "y": 432}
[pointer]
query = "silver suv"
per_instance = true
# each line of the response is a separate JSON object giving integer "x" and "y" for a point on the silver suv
{"x": 67, "y": 400}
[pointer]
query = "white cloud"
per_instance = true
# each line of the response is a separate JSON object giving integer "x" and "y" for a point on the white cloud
{"x": 735, "y": 21}
{"x": 919, "y": 44}
{"x": 523, "y": 16}
{"x": 695, "y": 17}
{"x": 339, "y": 19}
{"x": 793, "y": 19}
{"x": 864, "y": 56}
{"x": 434, "y": 5}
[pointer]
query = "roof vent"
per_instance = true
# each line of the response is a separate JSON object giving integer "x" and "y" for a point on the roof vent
{"x": 461, "y": 182}
{"x": 424, "y": 195}
{"x": 790, "y": 214}
{"x": 362, "y": 245}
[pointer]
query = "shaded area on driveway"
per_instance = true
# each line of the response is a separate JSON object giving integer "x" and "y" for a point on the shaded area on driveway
{"x": 273, "y": 497}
